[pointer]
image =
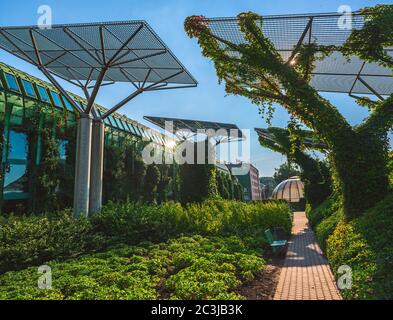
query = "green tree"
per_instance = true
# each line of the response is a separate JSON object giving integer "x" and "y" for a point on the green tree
{"x": 358, "y": 154}
{"x": 285, "y": 171}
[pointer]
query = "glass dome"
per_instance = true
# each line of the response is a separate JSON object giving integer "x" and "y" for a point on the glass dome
{"x": 291, "y": 190}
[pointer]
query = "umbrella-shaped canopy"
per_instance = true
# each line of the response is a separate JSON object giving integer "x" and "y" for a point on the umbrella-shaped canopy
{"x": 291, "y": 190}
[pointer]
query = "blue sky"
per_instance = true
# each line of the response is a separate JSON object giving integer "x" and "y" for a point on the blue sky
{"x": 206, "y": 102}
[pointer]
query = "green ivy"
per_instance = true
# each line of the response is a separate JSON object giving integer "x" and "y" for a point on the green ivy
{"x": 358, "y": 155}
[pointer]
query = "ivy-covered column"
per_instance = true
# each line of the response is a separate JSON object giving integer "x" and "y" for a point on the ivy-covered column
{"x": 97, "y": 166}
{"x": 82, "y": 166}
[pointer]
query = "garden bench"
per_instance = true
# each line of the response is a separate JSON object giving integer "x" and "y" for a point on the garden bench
{"x": 275, "y": 244}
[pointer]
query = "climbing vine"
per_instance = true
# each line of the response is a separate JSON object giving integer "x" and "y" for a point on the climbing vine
{"x": 314, "y": 173}
{"x": 358, "y": 155}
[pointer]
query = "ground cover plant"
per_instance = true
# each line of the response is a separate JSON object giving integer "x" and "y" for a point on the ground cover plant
{"x": 185, "y": 268}
{"x": 34, "y": 240}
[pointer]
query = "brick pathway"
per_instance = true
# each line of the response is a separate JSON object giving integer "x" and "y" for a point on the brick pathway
{"x": 305, "y": 274}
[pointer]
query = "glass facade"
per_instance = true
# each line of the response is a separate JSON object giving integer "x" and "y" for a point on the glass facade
{"x": 25, "y": 107}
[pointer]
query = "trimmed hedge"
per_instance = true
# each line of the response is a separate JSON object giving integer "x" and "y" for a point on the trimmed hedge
{"x": 184, "y": 268}
{"x": 33, "y": 240}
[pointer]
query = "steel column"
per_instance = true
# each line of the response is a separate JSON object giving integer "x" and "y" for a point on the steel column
{"x": 97, "y": 166}
{"x": 82, "y": 166}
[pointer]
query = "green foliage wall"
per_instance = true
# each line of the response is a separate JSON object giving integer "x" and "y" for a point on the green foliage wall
{"x": 197, "y": 182}
{"x": 152, "y": 179}
{"x": 228, "y": 187}
{"x": 127, "y": 177}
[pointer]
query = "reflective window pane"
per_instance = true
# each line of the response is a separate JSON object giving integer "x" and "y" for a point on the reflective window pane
{"x": 56, "y": 99}
{"x": 67, "y": 104}
{"x": 11, "y": 82}
{"x": 121, "y": 125}
{"x": 113, "y": 123}
{"x": 43, "y": 94}
{"x": 63, "y": 149}
{"x": 28, "y": 88}
{"x": 17, "y": 145}
{"x": 16, "y": 180}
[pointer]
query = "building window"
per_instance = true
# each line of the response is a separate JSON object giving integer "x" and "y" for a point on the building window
{"x": 63, "y": 150}
{"x": 11, "y": 82}
{"x": 43, "y": 94}
{"x": 112, "y": 121}
{"x": 28, "y": 88}
{"x": 123, "y": 127}
{"x": 56, "y": 99}
{"x": 67, "y": 104}
{"x": 16, "y": 179}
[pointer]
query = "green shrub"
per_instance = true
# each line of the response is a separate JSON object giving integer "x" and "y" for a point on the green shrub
{"x": 326, "y": 209}
{"x": 133, "y": 222}
{"x": 326, "y": 228}
{"x": 365, "y": 244}
{"x": 33, "y": 240}
{"x": 184, "y": 268}
{"x": 26, "y": 241}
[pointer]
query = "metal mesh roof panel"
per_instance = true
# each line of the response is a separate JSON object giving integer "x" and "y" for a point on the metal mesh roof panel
{"x": 195, "y": 125}
{"x": 78, "y": 51}
{"x": 308, "y": 141}
{"x": 332, "y": 74}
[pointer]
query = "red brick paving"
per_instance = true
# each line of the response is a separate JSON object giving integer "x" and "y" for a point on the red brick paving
{"x": 305, "y": 274}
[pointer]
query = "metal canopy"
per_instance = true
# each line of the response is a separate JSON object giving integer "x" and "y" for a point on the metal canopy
{"x": 334, "y": 73}
{"x": 96, "y": 54}
{"x": 309, "y": 142}
{"x": 179, "y": 126}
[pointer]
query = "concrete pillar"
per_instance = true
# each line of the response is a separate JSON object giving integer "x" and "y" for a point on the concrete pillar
{"x": 82, "y": 166}
{"x": 97, "y": 166}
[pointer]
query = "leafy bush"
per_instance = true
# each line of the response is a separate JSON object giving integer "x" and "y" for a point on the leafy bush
{"x": 184, "y": 268}
{"x": 237, "y": 218}
{"x": 33, "y": 240}
{"x": 327, "y": 227}
{"x": 325, "y": 218}
{"x": 326, "y": 209}
{"x": 133, "y": 222}
{"x": 365, "y": 244}
{"x": 26, "y": 241}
